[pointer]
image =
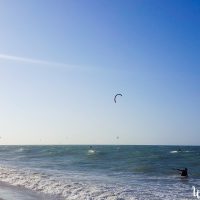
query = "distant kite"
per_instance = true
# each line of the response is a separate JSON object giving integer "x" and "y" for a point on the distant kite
{"x": 115, "y": 98}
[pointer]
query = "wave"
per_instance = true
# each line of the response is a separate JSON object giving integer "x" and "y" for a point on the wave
{"x": 65, "y": 188}
{"x": 91, "y": 151}
{"x": 173, "y": 151}
{"x": 180, "y": 151}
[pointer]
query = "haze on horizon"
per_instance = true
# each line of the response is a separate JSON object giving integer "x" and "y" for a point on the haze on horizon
{"x": 62, "y": 62}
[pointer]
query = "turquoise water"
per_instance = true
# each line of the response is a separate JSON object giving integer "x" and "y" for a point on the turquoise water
{"x": 103, "y": 172}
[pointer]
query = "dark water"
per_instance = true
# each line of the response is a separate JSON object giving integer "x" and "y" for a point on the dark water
{"x": 103, "y": 172}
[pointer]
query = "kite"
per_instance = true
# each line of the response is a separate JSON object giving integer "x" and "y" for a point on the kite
{"x": 115, "y": 98}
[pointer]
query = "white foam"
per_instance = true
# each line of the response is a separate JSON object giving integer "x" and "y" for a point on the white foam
{"x": 77, "y": 188}
{"x": 173, "y": 151}
{"x": 67, "y": 189}
{"x": 180, "y": 151}
{"x": 91, "y": 151}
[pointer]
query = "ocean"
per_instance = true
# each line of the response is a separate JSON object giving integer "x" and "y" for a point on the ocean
{"x": 113, "y": 172}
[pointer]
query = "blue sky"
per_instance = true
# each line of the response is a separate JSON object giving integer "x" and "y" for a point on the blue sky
{"x": 62, "y": 62}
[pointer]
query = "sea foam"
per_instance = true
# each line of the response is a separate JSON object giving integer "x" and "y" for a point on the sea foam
{"x": 67, "y": 189}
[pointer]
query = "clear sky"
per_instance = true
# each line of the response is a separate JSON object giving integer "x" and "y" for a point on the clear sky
{"x": 62, "y": 62}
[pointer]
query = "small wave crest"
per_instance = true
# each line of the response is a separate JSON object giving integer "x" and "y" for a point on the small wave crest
{"x": 180, "y": 151}
{"x": 91, "y": 151}
{"x": 173, "y": 151}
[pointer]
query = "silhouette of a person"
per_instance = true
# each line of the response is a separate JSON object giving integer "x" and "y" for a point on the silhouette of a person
{"x": 184, "y": 172}
{"x": 179, "y": 149}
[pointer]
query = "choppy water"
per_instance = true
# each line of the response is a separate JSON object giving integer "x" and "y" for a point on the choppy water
{"x": 105, "y": 172}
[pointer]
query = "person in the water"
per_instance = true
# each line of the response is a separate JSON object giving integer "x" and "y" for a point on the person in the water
{"x": 179, "y": 149}
{"x": 184, "y": 172}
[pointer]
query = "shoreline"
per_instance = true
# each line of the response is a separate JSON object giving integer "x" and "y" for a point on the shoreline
{"x": 10, "y": 192}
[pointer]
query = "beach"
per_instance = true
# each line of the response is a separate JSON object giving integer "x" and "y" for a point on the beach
{"x": 107, "y": 172}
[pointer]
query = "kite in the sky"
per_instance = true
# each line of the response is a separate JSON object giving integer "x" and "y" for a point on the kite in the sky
{"x": 115, "y": 98}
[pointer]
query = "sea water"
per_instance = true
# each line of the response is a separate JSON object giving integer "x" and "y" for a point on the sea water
{"x": 103, "y": 172}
